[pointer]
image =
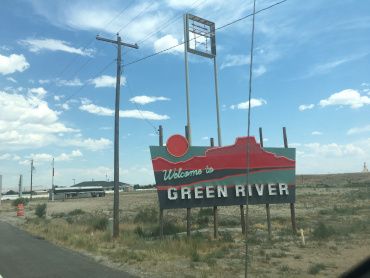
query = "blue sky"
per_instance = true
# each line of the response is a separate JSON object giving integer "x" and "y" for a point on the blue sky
{"x": 311, "y": 74}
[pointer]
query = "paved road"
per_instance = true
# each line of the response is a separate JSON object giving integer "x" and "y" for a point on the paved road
{"x": 23, "y": 255}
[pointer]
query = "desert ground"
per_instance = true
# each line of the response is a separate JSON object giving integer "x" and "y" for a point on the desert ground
{"x": 332, "y": 210}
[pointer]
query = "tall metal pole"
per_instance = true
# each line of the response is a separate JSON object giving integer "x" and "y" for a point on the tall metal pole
{"x": 119, "y": 44}
{"x": 52, "y": 180}
{"x": 31, "y": 178}
{"x": 186, "y": 39}
{"x": 248, "y": 147}
{"x": 217, "y": 102}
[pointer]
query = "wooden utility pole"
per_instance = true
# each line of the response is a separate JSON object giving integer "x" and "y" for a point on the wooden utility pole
{"x": 160, "y": 133}
{"x": 31, "y": 178}
{"x": 119, "y": 44}
{"x": 1, "y": 188}
{"x": 52, "y": 180}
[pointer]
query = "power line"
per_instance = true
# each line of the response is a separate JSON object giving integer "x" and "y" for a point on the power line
{"x": 139, "y": 14}
{"x": 89, "y": 42}
{"x": 195, "y": 37}
{"x": 84, "y": 86}
{"x": 140, "y": 112}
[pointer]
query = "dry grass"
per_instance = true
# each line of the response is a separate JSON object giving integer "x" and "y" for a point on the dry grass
{"x": 335, "y": 222}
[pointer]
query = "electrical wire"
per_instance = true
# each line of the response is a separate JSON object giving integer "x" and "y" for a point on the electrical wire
{"x": 84, "y": 47}
{"x": 139, "y": 110}
{"x": 84, "y": 86}
{"x": 248, "y": 145}
{"x": 195, "y": 37}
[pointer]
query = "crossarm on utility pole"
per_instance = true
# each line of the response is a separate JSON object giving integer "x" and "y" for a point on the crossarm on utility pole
{"x": 116, "y": 42}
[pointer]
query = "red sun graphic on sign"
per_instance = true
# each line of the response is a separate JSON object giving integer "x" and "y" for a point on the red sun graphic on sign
{"x": 177, "y": 145}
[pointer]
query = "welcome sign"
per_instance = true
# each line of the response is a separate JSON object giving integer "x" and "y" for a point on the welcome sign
{"x": 199, "y": 176}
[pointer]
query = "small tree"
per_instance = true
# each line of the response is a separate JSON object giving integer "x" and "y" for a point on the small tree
{"x": 40, "y": 210}
{"x": 18, "y": 201}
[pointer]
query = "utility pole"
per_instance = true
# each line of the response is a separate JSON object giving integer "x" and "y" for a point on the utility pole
{"x": 52, "y": 181}
{"x": 74, "y": 181}
{"x": 119, "y": 45}
{"x": 1, "y": 188}
{"x": 31, "y": 178}
{"x": 20, "y": 186}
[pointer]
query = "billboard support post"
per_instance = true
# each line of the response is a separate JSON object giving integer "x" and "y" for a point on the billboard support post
{"x": 292, "y": 207}
{"x": 267, "y": 205}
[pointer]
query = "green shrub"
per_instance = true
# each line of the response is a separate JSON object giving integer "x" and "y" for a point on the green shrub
{"x": 316, "y": 268}
{"x": 226, "y": 236}
{"x": 205, "y": 212}
{"x": 58, "y": 215}
{"x": 40, "y": 210}
{"x": 322, "y": 231}
{"x": 18, "y": 201}
{"x": 146, "y": 215}
{"x": 202, "y": 221}
{"x": 169, "y": 228}
{"x": 76, "y": 212}
{"x": 98, "y": 223}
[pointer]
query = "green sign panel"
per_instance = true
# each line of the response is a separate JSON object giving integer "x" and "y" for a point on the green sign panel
{"x": 194, "y": 176}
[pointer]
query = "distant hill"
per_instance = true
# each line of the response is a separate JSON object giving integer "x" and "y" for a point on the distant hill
{"x": 333, "y": 179}
{"x": 105, "y": 184}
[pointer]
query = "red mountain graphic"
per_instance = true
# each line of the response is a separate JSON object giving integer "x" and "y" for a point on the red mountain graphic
{"x": 230, "y": 157}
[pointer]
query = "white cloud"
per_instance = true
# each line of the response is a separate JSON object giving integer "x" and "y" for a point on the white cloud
{"x": 135, "y": 114}
{"x": 27, "y": 122}
{"x": 316, "y": 133}
{"x": 254, "y": 103}
{"x": 304, "y": 107}
{"x": 348, "y": 97}
{"x": 142, "y": 114}
{"x": 58, "y": 97}
{"x": 70, "y": 83}
{"x": 87, "y": 106}
{"x": 40, "y": 91}
{"x": 146, "y": 99}
{"x": 37, "y": 45}
{"x": 11, "y": 79}
{"x": 44, "y": 81}
{"x": 260, "y": 70}
{"x": 89, "y": 144}
{"x": 168, "y": 41}
{"x": 67, "y": 157}
{"x": 8, "y": 156}
{"x": 106, "y": 81}
{"x": 333, "y": 149}
{"x": 205, "y": 138}
{"x": 235, "y": 60}
{"x": 45, "y": 157}
{"x": 329, "y": 66}
{"x": 13, "y": 63}
{"x": 356, "y": 130}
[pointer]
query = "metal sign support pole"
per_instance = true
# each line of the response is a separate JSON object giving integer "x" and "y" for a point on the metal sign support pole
{"x": 217, "y": 102}
{"x": 186, "y": 39}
